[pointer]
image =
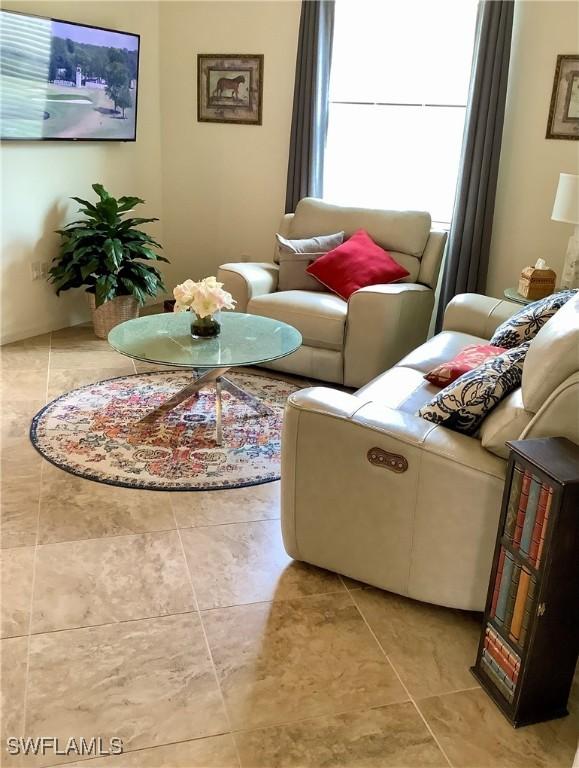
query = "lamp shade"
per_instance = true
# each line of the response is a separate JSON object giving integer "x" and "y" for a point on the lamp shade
{"x": 566, "y": 206}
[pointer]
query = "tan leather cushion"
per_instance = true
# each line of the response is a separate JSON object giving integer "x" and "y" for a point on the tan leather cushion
{"x": 312, "y": 362}
{"x": 439, "y": 349}
{"x": 553, "y": 356}
{"x": 476, "y": 314}
{"x": 404, "y": 389}
{"x": 410, "y": 263}
{"x": 403, "y": 233}
{"x": 295, "y": 256}
{"x": 319, "y": 317}
{"x": 293, "y": 275}
{"x": 560, "y": 413}
{"x": 398, "y": 315}
{"x": 247, "y": 279}
{"x": 505, "y": 422}
{"x": 432, "y": 258}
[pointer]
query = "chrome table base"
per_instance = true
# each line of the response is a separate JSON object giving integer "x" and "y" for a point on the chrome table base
{"x": 209, "y": 376}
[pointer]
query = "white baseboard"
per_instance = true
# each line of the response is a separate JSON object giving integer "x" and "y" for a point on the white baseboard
{"x": 30, "y": 332}
{"x": 41, "y": 329}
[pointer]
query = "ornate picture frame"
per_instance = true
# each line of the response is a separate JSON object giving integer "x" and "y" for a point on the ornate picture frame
{"x": 563, "y": 122}
{"x": 229, "y": 88}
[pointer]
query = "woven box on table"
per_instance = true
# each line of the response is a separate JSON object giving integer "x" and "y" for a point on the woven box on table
{"x": 536, "y": 283}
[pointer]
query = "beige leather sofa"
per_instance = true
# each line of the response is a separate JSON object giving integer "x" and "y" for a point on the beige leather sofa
{"x": 348, "y": 342}
{"x": 428, "y": 529}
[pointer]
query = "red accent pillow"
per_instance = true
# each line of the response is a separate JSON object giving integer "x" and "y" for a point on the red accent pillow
{"x": 467, "y": 360}
{"x": 355, "y": 264}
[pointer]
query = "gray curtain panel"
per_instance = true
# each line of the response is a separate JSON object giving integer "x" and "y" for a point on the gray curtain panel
{"x": 467, "y": 256}
{"x": 310, "y": 111}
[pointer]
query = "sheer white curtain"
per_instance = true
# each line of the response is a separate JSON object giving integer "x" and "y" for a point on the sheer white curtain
{"x": 398, "y": 93}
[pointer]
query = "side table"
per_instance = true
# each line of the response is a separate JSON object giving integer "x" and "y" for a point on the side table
{"x": 513, "y": 295}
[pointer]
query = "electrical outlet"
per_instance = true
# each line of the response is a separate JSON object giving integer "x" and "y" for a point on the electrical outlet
{"x": 39, "y": 270}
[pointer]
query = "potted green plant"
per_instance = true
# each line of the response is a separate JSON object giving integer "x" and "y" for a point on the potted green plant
{"x": 105, "y": 252}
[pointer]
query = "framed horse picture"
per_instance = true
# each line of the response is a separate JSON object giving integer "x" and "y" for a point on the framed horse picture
{"x": 229, "y": 88}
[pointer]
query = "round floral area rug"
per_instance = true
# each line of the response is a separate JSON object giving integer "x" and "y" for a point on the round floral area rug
{"x": 93, "y": 432}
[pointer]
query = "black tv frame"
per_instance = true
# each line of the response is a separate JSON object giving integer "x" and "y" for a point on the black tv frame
{"x": 90, "y": 26}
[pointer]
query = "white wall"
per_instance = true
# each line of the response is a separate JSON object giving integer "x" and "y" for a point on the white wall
{"x": 530, "y": 164}
{"x": 38, "y": 178}
{"x": 220, "y": 189}
{"x": 224, "y": 185}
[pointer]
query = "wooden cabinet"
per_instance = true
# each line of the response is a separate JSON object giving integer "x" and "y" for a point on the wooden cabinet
{"x": 530, "y": 638}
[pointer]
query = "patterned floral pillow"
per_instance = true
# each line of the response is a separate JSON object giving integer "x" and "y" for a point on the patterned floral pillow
{"x": 463, "y": 405}
{"x": 525, "y": 324}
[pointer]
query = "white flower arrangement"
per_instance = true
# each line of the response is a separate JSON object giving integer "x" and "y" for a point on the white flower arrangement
{"x": 205, "y": 298}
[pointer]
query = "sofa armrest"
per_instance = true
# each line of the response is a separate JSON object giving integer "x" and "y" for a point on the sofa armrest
{"x": 432, "y": 438}
{"x": 285, "y": 224}
{"x": 384, "y": 323}
{"x": 246, "y": 280}
{"x": 477, "y": 315}
{"x": 407, "y": 428}
{"x": 284, "y": 231}
{"x": 424, "y": 526}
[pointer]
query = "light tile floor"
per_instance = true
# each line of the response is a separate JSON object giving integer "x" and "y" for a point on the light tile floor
{"x": 176, "y": 622}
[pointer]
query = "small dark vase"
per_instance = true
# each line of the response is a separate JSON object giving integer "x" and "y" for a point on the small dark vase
{"x": 204, "y": 327}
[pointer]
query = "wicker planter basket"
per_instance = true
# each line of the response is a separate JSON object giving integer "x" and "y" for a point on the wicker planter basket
{"x": 111, "y": 313}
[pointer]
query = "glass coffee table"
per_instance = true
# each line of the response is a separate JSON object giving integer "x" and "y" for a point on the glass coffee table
{"x": 244, "y": 340}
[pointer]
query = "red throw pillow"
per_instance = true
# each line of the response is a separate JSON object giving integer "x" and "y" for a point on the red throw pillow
{"x": 467, "y": 360}
{"x": 355, "y": 264}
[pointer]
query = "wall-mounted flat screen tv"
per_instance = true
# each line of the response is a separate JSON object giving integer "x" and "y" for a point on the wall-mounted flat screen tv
{"x": 66, "y": 81}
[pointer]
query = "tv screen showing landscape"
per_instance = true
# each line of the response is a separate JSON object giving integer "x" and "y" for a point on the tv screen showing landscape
{"x": 60, "y": 80}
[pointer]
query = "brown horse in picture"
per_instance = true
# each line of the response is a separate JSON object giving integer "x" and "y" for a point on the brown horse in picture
{"x": 225, "y": 84}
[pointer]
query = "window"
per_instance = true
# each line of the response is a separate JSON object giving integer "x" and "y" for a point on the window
{"x": 398, "y": 93}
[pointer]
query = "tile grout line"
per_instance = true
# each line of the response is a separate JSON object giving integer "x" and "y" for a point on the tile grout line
{"x": 206, "y": 639}
{"x": 430, "y": 695}
{"x": 217, "y": 525}
{"x": 119, "y": 622}
{"x": 416, "y": 707}
{"x": 411, "y": 698}
{"x": 314, "y": 718}
{"x": 255, "y": 729}
{"x": 115, "y": 536}
{"x": 136, "y": 751}
{"x": 195, "y": 609}
{"x": 101, "y": 538}
{"x": 449, "y": 693}
{"x": 143, "y": 533}
{"x": 277, "y": 601}
{"x": 34, "y": 559}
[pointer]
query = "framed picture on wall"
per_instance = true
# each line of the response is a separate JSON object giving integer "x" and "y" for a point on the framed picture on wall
{"x": 229, "y": 88}
{"x": 564, "y": 111}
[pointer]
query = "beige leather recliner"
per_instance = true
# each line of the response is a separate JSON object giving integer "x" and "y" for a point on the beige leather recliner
{"x": 348, "y": 342}
{"x": 427, "y": 531}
